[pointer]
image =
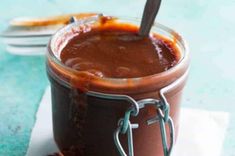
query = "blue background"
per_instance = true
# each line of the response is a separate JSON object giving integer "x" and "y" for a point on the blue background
{"x": 207, "y": 25}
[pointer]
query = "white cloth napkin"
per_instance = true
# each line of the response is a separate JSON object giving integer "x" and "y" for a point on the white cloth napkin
{"x": 201, "y": 132}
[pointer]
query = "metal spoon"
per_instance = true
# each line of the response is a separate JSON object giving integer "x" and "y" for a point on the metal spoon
{"x": 148, "y": 17}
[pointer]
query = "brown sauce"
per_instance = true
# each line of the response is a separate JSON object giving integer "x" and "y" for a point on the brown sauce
{"x": 118, "y": 52}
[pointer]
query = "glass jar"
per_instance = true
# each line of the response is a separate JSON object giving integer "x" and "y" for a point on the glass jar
{"x": 95, "y": 116}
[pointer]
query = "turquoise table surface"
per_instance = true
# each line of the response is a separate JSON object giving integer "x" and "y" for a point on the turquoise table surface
{"x": 207, "y": 25}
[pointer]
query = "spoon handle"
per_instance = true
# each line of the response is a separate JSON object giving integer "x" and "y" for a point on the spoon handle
{"x": 149, "y": 14}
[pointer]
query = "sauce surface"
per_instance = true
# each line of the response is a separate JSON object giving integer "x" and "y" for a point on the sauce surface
{"x": 118, "y": 52}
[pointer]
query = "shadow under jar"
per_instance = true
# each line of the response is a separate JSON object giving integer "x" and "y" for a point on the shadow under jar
{"x": 86, "y": 108}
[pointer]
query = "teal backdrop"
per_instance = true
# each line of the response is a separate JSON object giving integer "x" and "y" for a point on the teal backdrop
{"x": 207, "y": 25}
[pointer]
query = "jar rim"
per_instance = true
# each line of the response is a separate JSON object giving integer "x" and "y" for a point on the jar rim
{"x": 183, "y": 49}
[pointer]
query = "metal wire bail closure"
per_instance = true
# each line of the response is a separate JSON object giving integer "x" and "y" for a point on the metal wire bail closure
{"x": 125, "y": 126}
{"x": 162, "y": 116}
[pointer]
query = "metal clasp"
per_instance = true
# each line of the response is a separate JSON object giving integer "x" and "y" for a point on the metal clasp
{"x": 162, "y": 116}
{"x": 126, "y": 127}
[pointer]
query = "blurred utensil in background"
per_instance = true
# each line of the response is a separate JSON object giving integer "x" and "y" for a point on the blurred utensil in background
{"x": 29, "y": 36}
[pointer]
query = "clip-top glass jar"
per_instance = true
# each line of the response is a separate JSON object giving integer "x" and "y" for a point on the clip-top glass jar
{"x": 114, "y": 116}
